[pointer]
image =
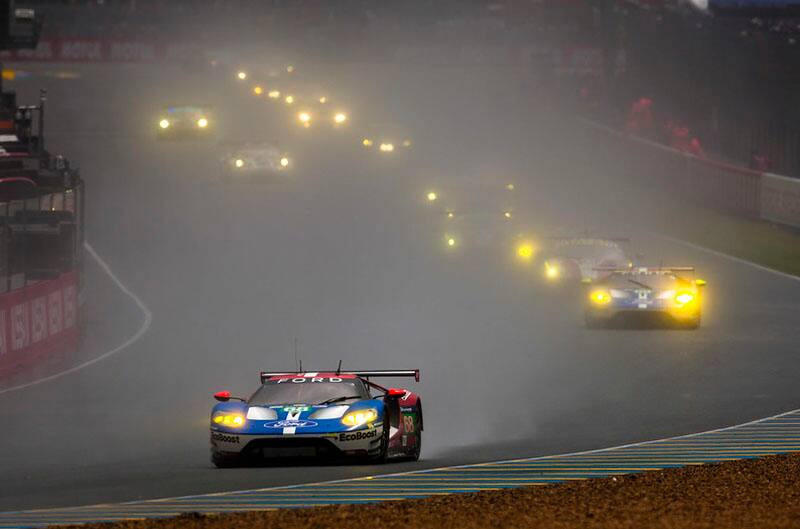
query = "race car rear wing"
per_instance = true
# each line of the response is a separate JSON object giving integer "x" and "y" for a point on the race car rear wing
{"x": 644, "y": 269}
{"x": 362, "y": 374}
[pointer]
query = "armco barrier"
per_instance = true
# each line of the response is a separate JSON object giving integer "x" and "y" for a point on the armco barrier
{"x": 780, "y": 199}
{"x": 714, "y": 183}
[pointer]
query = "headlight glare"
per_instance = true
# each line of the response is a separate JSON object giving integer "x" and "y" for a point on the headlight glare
{"x": 684, "y": 297}
{"x": 229, "y": 420}
{"x": 360, "y": 417}
{"x": 164, "y": 123}
{"x": 600, "y": 297}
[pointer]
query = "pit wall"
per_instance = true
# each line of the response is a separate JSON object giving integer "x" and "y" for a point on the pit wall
{"x": 721, "y": 185}
{"x": 41, "y": 319}
{"x": 37, "y": 321}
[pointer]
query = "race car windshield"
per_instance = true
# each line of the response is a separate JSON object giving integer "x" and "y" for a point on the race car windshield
{"x": 307, "y": 392}
{"x": 652, "y": 281}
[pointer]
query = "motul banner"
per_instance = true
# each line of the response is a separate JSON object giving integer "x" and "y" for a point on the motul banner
{"x": 89, "y": 50}
{"x": 38, "y": 320}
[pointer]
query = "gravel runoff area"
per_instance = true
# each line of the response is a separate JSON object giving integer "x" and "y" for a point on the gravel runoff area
{"x": 753, "y": 493}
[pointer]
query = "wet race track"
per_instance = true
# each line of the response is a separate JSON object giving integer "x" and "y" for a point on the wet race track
{"x": 346, "y": 256}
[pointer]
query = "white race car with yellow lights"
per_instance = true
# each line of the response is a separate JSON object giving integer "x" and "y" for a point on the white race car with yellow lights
{"x": 318, "y": 414}
{"x": 659, "y": 295}
{"x": 254, "y": 160}
{"x": 576, "y": 259}
{"x": 177, "y": 122}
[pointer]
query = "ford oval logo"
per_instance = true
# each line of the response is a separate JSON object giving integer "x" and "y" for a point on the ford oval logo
{"x": 290, "y": 424}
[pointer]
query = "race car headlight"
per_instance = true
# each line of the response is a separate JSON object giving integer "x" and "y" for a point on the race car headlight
{"x": 229, "y": 420}
{"x": 366, "y": 142}
{"x": 600, "y": 297}
{"x": 284, "y": 162}
{"x": 164, "y": 123}
{"x": 241, "y": 75}
{"x": 684, "y": 297}
{"x": 323, "y": 99}
{"x": 289, "y": 99}
{"x": 507, "y": 214}
{"x": 339, "y": 118}
{"x": 360, "y": 417}
{"x": 202, "y": 123}
{"x": 450, "y": 241}
{"x": 406, "y": 143}
{"x": 525, "y": 250}
{"x": 387, "y": 147}
{"x": 552, "y": 271}
{"x": 451, "y": 214}
{"x": 431, "y": 196}
{"x": 239, "y": 163}
{"x": 257, "y": 90}
{"x": 274, "y": 94}
{"x": 304, "y": 118}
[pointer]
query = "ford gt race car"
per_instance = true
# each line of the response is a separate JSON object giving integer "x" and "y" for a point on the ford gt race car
{"x": 647, "y": 295}
{"x": 185, "y": 122}
{"x": 318, "y": 414}
{"x": 253, "y": 160}
{"x": 572, "y": 260}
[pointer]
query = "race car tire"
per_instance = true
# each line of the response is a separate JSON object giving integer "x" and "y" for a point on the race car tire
{"x": 221, "y": 461}
{"x": 383, "y": 452}
{"x": 417, "y": 449}
{"x": 691, "y": 324}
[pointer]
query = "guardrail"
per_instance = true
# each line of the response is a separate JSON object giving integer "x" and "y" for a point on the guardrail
{"x": 719, "y": 184}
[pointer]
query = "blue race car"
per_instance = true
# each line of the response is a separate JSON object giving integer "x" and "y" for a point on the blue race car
{"x": 318, "y": 414}
{"x": 646, "y": 295}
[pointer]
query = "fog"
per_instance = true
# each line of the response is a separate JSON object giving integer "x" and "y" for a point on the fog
{"x": 345, "y": 257}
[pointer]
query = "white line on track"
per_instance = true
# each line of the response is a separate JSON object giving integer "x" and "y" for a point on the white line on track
{"x": 407, "y": 473}
{"x": 146, "y": 322}
{"x": 733, "y": 258}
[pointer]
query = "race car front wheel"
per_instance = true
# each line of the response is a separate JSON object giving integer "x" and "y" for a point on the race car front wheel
{"x": 383, "y": 452}
{"x": 221, "y": 461}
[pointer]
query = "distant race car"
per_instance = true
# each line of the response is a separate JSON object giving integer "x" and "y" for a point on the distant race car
{"x": 318, "y": 414}
{"x": 656, "y": 295}
{"x": 475, "y": 214}
{"x": 253, "y": 160}
{"x": 572, "y": 260}
{"x": 185, "y": 122}
{"x": 387, "y": 139}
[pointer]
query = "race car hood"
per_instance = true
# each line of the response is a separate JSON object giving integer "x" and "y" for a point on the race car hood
{"x": 293, "y": 419}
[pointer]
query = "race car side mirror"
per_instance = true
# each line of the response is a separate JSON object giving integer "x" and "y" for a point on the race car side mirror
{"x": 699, "y": 282}
{"x": 395, "y": 393}
{"x": 222, "y": 396}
